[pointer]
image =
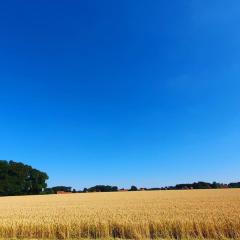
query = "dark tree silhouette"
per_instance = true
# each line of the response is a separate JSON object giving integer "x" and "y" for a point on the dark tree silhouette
{"x": 102, "y": 188}
{"x": 19, "y": 179}
{"x": 133, "y": 188}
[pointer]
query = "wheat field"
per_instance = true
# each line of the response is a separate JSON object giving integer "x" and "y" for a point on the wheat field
{"x": 192, "y": 214}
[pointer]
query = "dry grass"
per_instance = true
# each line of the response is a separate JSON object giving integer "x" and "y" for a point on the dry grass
{"x": 212, "y": 214}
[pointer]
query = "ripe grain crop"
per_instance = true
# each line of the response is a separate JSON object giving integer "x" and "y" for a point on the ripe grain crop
{"x": 187, "y": 214}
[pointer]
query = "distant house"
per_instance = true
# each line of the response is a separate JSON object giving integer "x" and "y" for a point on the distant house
{"x": 62, "y": 192}
{"x": 122, "y": 190}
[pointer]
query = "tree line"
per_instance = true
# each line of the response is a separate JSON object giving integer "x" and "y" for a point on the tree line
{"x": 187, "y": 186}
{"x": 17, "y": 178}
{"x": 97, "y": 188}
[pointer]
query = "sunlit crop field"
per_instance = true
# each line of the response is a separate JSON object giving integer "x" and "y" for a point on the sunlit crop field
{"x": 212, "y": 214}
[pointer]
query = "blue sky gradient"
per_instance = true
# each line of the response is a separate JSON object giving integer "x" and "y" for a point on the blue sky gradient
{"x": 121, "y": 92}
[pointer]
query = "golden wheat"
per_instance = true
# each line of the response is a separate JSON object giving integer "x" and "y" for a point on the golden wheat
{"x": 212, "y": 214}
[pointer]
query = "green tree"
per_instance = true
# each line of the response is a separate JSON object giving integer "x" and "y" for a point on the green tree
{"x": 133, "y": 188}
{"x": 19, "y": 179}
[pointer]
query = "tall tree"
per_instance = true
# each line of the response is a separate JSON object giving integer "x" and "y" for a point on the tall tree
{"x": 19, "y": 179}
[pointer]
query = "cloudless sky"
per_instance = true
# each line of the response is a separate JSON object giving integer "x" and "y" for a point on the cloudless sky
{"x": 121, "y": 92}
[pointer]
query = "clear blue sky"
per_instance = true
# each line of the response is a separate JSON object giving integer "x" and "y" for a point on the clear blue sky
{"x": 121, "y": 92}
